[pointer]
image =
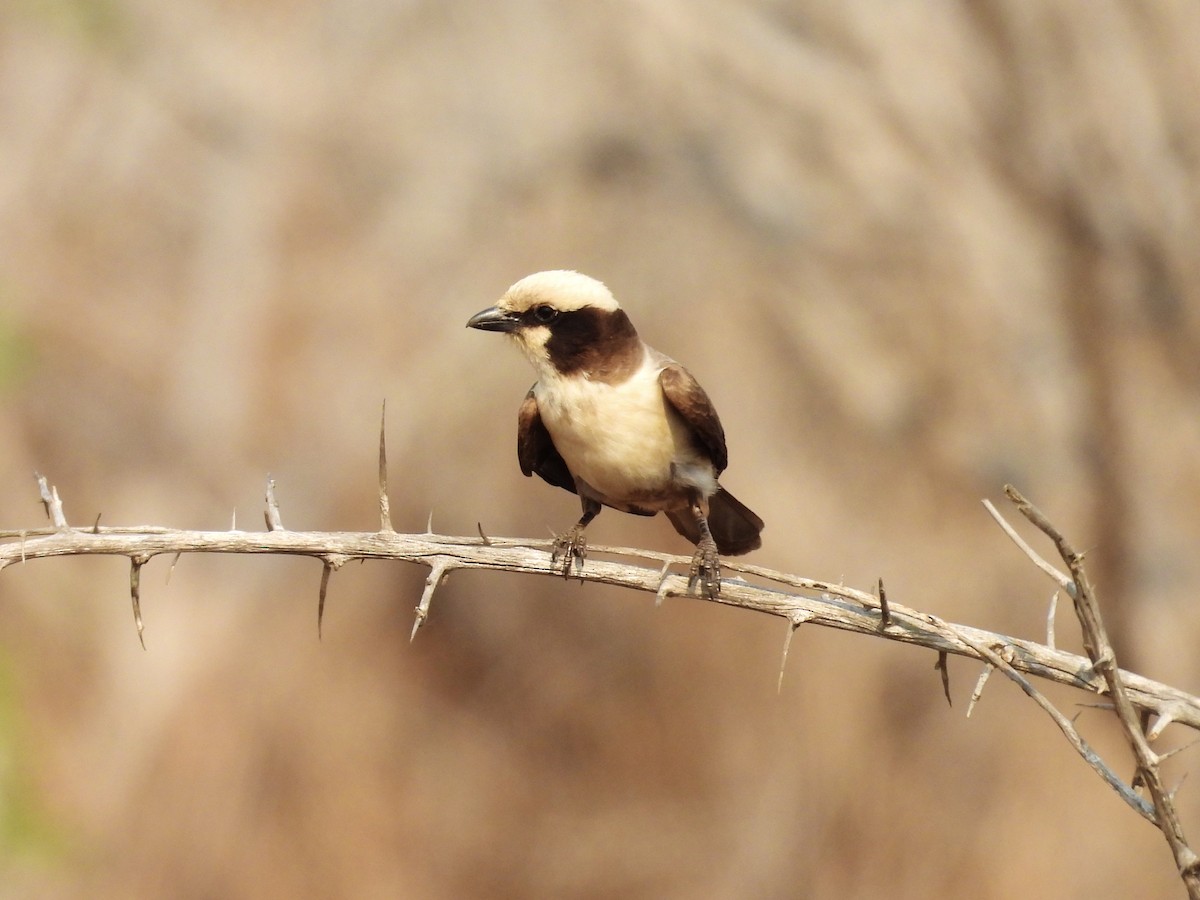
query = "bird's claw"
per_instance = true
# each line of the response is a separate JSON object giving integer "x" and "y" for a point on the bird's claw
{"x": 706, "y": 570}
{"x": 570, "y": 547}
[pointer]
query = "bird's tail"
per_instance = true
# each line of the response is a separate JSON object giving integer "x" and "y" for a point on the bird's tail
{"x": 734, "y": 527}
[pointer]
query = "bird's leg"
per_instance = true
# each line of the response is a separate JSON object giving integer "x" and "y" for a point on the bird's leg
{"x": 706, "y": 564}
{"x": 572, "y": 545}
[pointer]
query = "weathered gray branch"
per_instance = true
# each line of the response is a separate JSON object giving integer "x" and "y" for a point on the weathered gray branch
{"x": 790, "y": 597}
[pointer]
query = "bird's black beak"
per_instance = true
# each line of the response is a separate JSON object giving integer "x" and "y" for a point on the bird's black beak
{"x": 494, "y": 319}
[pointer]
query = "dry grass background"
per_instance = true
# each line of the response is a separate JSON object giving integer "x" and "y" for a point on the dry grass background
{"x": 914, "y": 250}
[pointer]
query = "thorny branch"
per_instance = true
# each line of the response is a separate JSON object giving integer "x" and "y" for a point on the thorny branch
{"x": 796, "y": 599}
{"x": 1104, "y": 660}
{"x": 785, "y": 595}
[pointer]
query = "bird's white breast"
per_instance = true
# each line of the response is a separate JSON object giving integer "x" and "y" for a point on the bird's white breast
{"x": 623, "y": 440}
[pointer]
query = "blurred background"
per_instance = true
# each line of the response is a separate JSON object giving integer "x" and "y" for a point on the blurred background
{"x": 913, "y": 250}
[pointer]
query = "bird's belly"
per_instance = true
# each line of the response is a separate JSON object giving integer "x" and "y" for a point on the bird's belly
{"x": 621, "y": 440}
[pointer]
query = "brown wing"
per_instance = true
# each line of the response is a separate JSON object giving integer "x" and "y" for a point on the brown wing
{"x": 688, "y": 399}
{"x": 535, "y": 449}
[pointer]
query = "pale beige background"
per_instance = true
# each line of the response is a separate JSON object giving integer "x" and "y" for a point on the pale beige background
{"x": 913, "y": 250}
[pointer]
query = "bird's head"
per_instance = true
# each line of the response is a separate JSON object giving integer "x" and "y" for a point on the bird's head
{"x": 565, "y": 323}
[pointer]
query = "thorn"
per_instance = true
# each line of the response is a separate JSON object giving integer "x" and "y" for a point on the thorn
{"x": 429, "y": 523}
{"x": 60, "y": 520}
{"x": 1165, "y": 718}
{"x": 326, "y": 571}
{"x": 1175, "y": 790}
{"x": 988, "y": 668}
{"x": 271, "y": 514}
{"x": 44, "y": 492}
{"x": 51, "y": 502}
{"x": 135, "y": 592}
{"x": 438, "y": 572}
{"x": 233, "y": 524}
{"x": 1165, "y": 756}
{"x": 885, "y": 614}
{"x": 23, "y": 546}
{"x": 795, "y": 620}
{"x": 661, "y": 594}
{"x": 96, "y": 524}
{"x": 487, "y": 541}
{"x": 943, "y": 665}
{"x": 331, "y": 562}
{"x": 174, "y": 560}
{"x": 1050, "y": 621}
{"x": 385, "y": 511}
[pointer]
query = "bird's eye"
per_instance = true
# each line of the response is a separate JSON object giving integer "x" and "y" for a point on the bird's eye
{"x": 545, "y": 313}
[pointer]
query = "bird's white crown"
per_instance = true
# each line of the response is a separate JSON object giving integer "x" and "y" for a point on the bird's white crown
{"x": 561, "y": 288}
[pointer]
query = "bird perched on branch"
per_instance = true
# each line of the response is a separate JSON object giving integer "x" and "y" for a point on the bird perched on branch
{"x": 616, "y": 422}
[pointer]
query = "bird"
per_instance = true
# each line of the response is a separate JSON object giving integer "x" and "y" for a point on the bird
{"x": 617, "y": 422}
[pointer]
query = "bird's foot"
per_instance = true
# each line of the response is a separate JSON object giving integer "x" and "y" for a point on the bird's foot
{"x": 570, "y": 547}
{"x": 706, "y": 569}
